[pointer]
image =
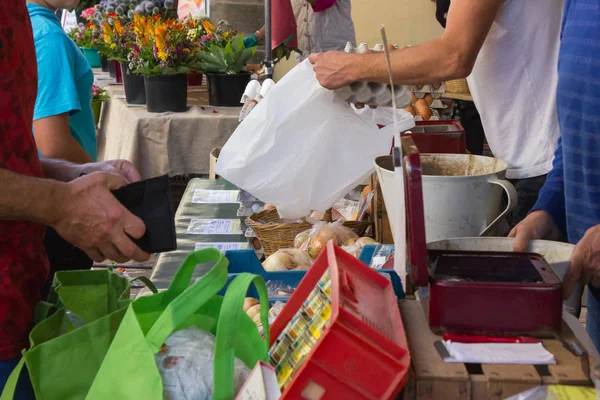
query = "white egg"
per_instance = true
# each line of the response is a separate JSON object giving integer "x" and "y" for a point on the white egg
{"x": 362, "y": 48}
{"x": 252, "y": 90}
{"x": 256, "y": 207}
{"x": 266, "y": 87}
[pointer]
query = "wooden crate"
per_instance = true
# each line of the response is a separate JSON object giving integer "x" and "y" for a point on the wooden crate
{"x": 432, "y": 378}
{"x": 383, "y": 230}
{"x": 214, "y": 156}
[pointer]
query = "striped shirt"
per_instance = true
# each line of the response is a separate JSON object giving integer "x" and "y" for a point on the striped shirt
{"x": 571, "y": 194}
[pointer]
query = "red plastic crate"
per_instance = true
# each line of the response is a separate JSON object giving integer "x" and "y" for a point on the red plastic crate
{"x": 363, "y": 352}
{"x": 441, "y": 137}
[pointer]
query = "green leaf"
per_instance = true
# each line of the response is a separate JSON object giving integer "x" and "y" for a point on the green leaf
{"x": 237, "y": 43}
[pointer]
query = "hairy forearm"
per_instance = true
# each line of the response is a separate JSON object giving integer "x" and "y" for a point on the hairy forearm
{"x": 60, "y": 170}
{"x": 432, "y": 62}
{"x": 30, "y": 199}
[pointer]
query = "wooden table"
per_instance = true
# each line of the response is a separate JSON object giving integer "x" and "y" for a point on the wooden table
{"x": 432, "y": 378}
{"x": 163, "y": 143}
{"x": 458, "y": 96}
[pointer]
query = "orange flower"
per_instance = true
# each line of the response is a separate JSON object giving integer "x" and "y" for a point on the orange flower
{"x": 210, "y": 28}
{"x": 118, "y": 27}
{"x": 107, "y": 31}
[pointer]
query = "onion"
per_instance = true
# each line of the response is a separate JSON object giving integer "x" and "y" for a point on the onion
{"x": 249, "y": 302}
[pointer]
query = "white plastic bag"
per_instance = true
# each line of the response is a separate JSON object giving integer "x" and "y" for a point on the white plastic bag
{"x": 301, "y": 148}
{"x": 185, "y": 363}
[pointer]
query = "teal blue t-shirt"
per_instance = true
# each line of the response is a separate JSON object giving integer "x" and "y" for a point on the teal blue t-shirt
{"x": 65, "y": 78}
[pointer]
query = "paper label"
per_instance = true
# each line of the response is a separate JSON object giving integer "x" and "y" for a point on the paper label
{"x": 378, "y": 261}
{"x": 199, "y": 226}
{"x": 223, "y": 246}
{"x": 202, "y": 196}
{"x": 261, "y": 384}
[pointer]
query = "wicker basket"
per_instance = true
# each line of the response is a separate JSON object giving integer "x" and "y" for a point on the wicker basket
{"x": 274, "y": 236}
{"x": 457, "y": 86}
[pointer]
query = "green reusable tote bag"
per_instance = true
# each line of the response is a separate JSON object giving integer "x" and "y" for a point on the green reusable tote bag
{"x": 129, "y": 370}
{"x": 68, "y": 346}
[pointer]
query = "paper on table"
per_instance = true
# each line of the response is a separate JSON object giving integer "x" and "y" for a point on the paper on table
{"x": 223, "y": 246}
{"x": 199, "y": 226}
{"x": 499, "y": 353}
{"x": 202, "y": 196}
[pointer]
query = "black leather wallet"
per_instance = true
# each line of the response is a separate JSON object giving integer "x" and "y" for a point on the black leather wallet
{"x": 151, "y": 201}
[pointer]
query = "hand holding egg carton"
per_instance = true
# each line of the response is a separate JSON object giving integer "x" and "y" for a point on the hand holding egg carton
{"x": 253, "y": 94}
{"x": 372, "y": 93}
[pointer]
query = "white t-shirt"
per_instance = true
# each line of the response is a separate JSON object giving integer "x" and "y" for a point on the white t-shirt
{"x": 513, "y": 84}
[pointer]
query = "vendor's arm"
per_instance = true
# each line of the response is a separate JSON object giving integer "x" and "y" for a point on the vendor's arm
{"x": 254, "y": 39}
{"x": 452, "y": 56}
{"x": 54, "y": 139}
{"x": 547, "y": 219}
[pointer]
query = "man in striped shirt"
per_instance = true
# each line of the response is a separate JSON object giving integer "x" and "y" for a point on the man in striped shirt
{"x": 569, "y": 203}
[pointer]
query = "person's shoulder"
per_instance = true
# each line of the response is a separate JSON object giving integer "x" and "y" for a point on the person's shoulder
{"x": 42, "y": 27}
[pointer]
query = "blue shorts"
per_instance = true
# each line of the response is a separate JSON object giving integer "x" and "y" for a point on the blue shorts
{"x": 24, "y": 390}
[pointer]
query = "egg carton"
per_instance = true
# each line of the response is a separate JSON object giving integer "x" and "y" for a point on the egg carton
{"x": 421, "y": 90}
{"x": 437, "y": 104}
{"x": 244, "y": 211}
{"x": 373, "y": 93}
{"x": 254, "y": 93}
{"x": 435, "y": 116}
{"x": 248, "y": 201}
{"x": 249, "y": 233}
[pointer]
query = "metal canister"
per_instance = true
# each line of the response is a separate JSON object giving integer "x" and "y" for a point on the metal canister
{"x": 297, "y": 326}
{"x": 318, "y": 323}
{"x": 284, "y": 370}
{"x": 302, "y": 346}
{"x": 279, "y": 349}
{"x": 313, "y": 305}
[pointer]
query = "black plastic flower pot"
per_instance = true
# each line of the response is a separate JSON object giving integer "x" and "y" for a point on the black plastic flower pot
{"x": 166, "y": 93}
{"x": 135, "y": 89}
{"x": 112, "y": 71}
{"x": 226, "y": 90}
{"x": 104, "y": 64}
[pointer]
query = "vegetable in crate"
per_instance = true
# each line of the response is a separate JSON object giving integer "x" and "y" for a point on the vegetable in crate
{"x": 185, "y": 363}
{"x": 286, "y": 260}
{"x": 356, "y": 248}
{"x": 321, "y": 233}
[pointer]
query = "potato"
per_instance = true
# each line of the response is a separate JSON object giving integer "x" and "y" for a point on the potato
{"x": 254, "y": 310}
{"x": 249, "y": 302}
{"x": 278, "y": 262}
{"x": 363, "y": 241}
{"x": 301, "y": 238}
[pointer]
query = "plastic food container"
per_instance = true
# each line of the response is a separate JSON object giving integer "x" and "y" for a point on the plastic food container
{"x": 478, "y": 292}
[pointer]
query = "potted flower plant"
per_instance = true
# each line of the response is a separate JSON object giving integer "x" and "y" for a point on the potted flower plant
{"x": 99, "y": 96}
{"x": 163, "y": 54}
{"x": 87, "y": 39}
{"x": 196, "y": 31}
{"x": 120, "y": 40}
{"x": 223, "y": 60}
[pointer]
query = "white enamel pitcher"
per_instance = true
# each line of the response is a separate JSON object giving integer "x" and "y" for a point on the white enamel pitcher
{"x": 462, "y": 194}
